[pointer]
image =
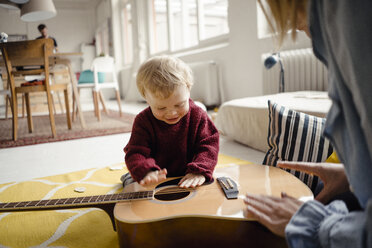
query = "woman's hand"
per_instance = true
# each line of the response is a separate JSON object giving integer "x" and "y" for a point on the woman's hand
{"x": 191, "y": 180}
{"x": 272, "y": 212}
{"x": 332, "y": 175}
{"x": 154, "y": 177}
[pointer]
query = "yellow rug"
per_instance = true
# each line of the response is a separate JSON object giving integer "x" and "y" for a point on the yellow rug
{"x": 73, "y": 228}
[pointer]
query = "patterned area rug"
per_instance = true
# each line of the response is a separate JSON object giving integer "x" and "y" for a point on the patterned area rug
{"x": 73, "y": 228}
{"x": 109, "y": 124}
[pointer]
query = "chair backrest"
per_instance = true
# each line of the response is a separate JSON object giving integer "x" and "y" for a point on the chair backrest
{"x": 26, "y": 53}
{"x": 103, "y": 64}
{"x": 30, "y": 52}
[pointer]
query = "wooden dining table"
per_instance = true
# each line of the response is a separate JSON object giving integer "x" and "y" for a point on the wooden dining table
{"x": 64, "y": 59}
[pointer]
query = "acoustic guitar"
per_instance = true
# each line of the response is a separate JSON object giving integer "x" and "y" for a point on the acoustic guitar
{"x": 164, "y": 215}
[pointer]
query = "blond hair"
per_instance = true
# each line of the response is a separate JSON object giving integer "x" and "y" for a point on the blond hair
{"x": 285, "y": 14}
{"x": 162, "y": 74}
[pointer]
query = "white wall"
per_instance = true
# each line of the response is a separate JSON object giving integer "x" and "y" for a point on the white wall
{"x": 240, "y": 60}
{"x": 239, "y": 57}
{"x": 70, "y": 28}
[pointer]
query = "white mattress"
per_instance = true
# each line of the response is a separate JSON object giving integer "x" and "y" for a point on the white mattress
{"x": 246, "y": 120}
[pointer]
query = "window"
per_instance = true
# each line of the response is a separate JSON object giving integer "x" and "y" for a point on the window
{"x": 214, "y": 18}
{"x": 184, "y": 28}
{"x": 159, "y": 26}
{"x": 103, "y": 39}
{"x": 181, "y": 24}
{"x": 127, "y": 27}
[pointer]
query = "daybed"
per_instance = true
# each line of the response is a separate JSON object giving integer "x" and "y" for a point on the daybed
{"x": 246, "y": 120}
{"x": 286, "y": 126}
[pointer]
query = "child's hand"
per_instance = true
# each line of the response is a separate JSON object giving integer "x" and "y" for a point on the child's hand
{"x": 191, "y": 180}
{"x": 154, "y": 177}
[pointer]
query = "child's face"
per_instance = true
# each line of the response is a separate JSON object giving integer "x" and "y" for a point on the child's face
{"x": 172, "y": 109}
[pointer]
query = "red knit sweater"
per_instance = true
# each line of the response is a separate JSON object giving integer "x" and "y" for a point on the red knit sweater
{"x": 189, "y": 146}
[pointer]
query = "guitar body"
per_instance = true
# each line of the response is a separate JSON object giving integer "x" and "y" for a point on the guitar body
{"x": 204, "y": 217}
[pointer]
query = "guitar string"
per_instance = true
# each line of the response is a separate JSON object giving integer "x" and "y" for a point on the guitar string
{"x": 161, "y": 192}
{"x": 164, "y": 192}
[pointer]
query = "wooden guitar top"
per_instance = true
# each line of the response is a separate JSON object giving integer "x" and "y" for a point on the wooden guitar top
{"x": 209, "y": 200}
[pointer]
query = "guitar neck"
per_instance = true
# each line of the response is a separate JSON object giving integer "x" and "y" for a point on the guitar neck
{"x": 75, "y": 201}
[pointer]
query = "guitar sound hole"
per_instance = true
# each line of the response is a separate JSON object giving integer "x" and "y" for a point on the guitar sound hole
{"x": 171, "y": 194}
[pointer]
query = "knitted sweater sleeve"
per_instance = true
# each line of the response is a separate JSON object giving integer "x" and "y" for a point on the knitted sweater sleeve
{"x": 138, "y": 150}
{"x": 205, "y": 150}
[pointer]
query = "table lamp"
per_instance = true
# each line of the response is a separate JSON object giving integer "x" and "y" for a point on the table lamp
{"x": 270, "y": 62}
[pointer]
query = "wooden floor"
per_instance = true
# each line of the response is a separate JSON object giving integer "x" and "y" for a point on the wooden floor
{"x": 28, "y": 162}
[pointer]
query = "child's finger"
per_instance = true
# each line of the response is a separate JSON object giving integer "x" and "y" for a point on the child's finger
{"x": 186, "y": 183}
{"x": 198, "y": 181}
{"x": 145, "y": 181}
{"x": 183, "y": 179}
{"x": 161, "y": 177}
{"x": 163, "y": 171}
{"x": 201, "y": 180}
{"x": 195, "y": 183}
{"x": 162, "y": 174}
{"x": 149, "y": 178}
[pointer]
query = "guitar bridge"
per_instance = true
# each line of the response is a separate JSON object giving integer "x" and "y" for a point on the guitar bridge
{"x": 229, "y": 187}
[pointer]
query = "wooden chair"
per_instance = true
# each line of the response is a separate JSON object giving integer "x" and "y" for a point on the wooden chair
{"x": 7, "y": 97}
{"x": 101, "y": 65}
{"x": 31, "y": 53}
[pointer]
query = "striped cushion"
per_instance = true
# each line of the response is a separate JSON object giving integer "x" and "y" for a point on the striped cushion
{"x": 295, "y": 136}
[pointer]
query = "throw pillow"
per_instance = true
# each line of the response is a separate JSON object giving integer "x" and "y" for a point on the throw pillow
{"x": 295, "y": 136}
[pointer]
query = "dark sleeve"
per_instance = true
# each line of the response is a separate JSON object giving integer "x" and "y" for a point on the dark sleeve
{"x": 55, "y": 42}
{"x": 138, "y": 152}
{"x": 351, "y": 29}
{"x": 206, "y": 149}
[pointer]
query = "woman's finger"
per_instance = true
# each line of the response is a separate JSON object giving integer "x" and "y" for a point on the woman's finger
{"x": 272, "y": 212}
{"x": 260, "y": 216}
{"x": 264, "y": 202}
{"x": 311, "y": 168}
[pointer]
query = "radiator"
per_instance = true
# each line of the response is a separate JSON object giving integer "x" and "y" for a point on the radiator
{"x": 302, "y": 71}
{"x": 207, "y": 85}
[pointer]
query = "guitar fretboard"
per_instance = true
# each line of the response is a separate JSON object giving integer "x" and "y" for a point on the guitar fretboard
{"x": 76, "y": 201}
